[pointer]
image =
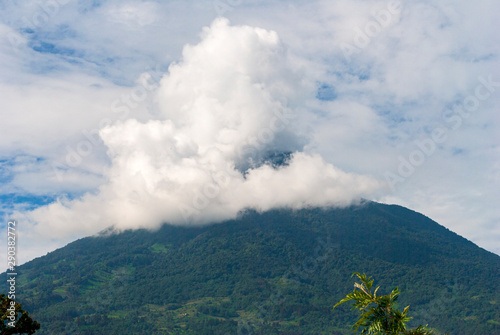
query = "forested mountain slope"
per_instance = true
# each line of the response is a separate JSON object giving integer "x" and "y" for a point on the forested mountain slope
{"x": 278, "y": 272}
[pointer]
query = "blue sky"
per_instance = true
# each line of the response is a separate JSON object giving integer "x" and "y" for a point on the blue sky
{"x": 393, "y": 101}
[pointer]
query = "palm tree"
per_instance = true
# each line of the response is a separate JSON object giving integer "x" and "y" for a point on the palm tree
{"x": 378, "y": 313}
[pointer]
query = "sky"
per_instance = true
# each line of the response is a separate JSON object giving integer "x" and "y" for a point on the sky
{"x": 135, "y": 113}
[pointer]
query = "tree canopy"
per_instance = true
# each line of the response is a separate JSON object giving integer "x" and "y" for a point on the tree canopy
{"x": 379, "y": 314}
{"x": 15, "y": 320}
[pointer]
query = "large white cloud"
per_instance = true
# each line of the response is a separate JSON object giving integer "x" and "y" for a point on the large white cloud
{"x": 226, "y": 139}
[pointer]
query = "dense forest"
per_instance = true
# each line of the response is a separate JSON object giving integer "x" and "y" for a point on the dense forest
{"x": 277, "y": 272}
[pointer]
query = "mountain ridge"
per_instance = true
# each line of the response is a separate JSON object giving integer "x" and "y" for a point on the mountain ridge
{"x": 276, "y": 272}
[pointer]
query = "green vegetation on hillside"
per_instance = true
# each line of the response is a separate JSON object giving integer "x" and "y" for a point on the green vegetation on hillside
{"x": 278, "y": 272}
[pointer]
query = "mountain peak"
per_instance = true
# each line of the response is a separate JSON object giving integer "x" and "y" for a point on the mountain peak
{"x": 275, "y": 272}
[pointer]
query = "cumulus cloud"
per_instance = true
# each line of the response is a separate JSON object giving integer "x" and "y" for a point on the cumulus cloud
{"x": 227, "y": 138}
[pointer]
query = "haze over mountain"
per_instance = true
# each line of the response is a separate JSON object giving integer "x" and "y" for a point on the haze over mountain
{"x": 276, "y": 272}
